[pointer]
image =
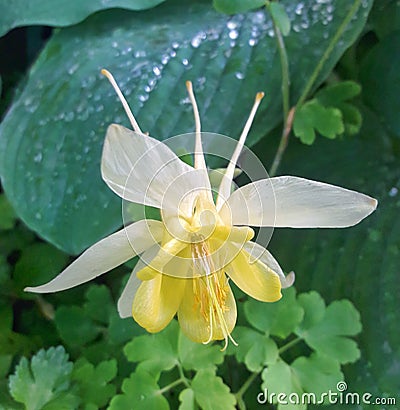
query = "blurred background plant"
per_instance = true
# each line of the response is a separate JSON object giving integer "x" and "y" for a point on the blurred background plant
{"x": 329, "y": 68}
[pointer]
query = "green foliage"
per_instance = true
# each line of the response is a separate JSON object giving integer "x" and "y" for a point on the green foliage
{"x": 327, "y": 330}
{"x": 254, "y": 349}
{"x": 329, "y": 113}
{"x": 98, "y": 315}
{"x": 44, "y": 382}
{"x": 7, "y": 214}
{"x": 211, "y": 393}
{"x": 57, "y": 185}
{"x": 94, "y": 382}
{"x": 42, "y": 12}
{"x": 140, "y": 388}
{"x": 38, "y": 264}
{"x": 380, "y": 79}
{"x": 277, "y": 319}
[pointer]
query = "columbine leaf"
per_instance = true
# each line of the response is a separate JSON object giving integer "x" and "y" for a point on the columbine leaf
{"x": 279, "y": 318}
{"x": 141, "y": 390}
{"x": 74, "y": 326}
{"x": 99, "y": 305}
{"x": 254, "y": 349}
{"x": 280, "y": 17}
{"x": 52, "y": 137}
{"x": 41, "y": 380}
{"x": 317, "y": 374}
{"x": 313, "y": 117}
{"x": 122, "y": 330}
{"x": 197, "y": 356}
{"x": 211, "y": 393}
{"x": 156, "y": 352}
{"x": 327, "y": 333}
{"x": 44, "y": 12}
{"x": 280, "y": 378}
{"x": 337, "y": 96}
{"x": 94, "y": 382}
{"x": 186, "y": 397}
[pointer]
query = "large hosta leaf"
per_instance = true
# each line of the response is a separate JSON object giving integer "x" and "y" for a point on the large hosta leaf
{"x": 52, "y": 137}
{"x": 359, "y": 263}
{"x": 59, "y": 12}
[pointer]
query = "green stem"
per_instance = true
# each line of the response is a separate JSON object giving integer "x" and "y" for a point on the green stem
{"x": 182, "y": 380}
{"x": 288, "y": 345}
{"x": 283, "y": 142}
{"x": 239, "y": 394}
{"x": 285, "y": 94}
{"x": 182, "y": 375}
{"x": 171, "y": 385}
{"x": 328, "y": 52}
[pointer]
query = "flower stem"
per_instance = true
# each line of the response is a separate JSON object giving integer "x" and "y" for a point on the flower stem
{"x": 328, "y": 52}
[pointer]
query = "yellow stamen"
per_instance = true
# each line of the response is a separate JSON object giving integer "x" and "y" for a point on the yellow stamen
{"x": 210, "y": 290}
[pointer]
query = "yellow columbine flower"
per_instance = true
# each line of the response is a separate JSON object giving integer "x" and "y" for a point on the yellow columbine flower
{"x": 188, "y": 256}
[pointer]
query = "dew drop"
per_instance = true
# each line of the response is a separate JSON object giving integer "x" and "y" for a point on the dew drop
{"x": 233, "y": 34}
{"x": 143, "y": 98}
{"x": 139, "y": 54}
{"x": 231, "y": 25}
{"x": 185, "y": 61}
{"x": 164, "y": 59}
{"x": 157, "y": 71}
{"x": 239, "y": 76}
{"x": 38, "y": 157}
{"x": 196, "y": 41}
{"x": 38, "y": 215}
{"x": 393, "y": 192}
{"x": 73, "y": 68}
{"x": 175, "y": 45}
{"x": 252, "y": 42}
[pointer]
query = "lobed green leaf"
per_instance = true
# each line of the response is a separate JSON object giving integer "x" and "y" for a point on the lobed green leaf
{"x": 45, "y": 378}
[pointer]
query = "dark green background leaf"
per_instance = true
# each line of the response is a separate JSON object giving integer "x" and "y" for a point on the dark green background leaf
{"x": 52, "y": 137}
{"x": 59, "y": 12}
{"x": 237, "y": 6}
{"x": 381, "y": 81}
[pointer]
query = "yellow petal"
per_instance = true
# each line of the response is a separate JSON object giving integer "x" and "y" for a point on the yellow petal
{"x": 156, "y": 302}
{"x": 256, "y": 279}
{"x": 208, "y": 309}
